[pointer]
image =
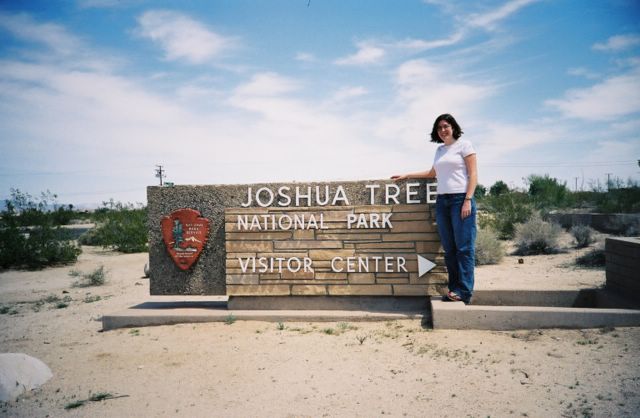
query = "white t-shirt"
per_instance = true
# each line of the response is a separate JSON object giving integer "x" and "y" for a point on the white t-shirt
{"x": 451, "y": 171}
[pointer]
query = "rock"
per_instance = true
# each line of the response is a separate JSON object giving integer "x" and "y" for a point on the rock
{"x": 20, "y": 373}
{"x": 146, "y": 270}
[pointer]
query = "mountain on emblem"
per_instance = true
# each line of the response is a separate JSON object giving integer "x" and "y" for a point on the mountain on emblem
{"x": 184, "y": 233}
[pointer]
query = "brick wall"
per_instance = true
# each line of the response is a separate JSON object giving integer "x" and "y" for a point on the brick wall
{"x": 371, "y": 258}
{"x": 623, "y": 265}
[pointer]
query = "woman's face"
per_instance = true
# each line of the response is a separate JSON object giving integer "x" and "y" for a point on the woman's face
{"x": 445, "y": 131}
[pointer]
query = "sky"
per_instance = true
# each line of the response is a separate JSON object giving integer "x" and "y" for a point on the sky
{"x": 94, "y": 94}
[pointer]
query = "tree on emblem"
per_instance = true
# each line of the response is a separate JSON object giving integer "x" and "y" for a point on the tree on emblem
{"x": 177, "y": 234}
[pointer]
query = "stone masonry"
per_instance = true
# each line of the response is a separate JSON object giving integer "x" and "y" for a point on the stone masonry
{"x": 216, "y": 272}
{"x": 365, "y": 259}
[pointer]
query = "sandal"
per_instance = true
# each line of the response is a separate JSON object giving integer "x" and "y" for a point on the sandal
{"x": 454, "y": 297}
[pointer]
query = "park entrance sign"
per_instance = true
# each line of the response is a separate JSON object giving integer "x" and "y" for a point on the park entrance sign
{"x": 369, "y": 238}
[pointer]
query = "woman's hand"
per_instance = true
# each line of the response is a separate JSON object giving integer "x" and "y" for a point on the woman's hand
{"x": 398, "y": 177}
{"x": 466, "y": 209}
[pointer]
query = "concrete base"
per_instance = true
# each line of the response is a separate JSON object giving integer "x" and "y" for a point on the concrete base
{"x": 331, "y": 303}
{"x": 490, "y": 310}
{"x": 169, "y": 313}
{"x": 584, "y": 298}
{"x": 457, "y": 315}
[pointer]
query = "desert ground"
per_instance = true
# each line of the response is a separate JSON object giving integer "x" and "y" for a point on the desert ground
{"x": 244, "y": 369}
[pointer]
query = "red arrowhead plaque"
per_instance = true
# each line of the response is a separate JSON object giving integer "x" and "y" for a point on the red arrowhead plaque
{"x": 184, "y": 233}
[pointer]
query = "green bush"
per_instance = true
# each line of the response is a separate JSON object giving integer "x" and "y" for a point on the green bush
{"x": 504, "y": 211}
{"x": 547, "y": 192}
{"x": 537, "y": 236}
{"x": 28, "y": 236}
{"x": 489, "y": 250}
{"x": 583, "y": 234}
{"x": 498, "y": 188}
{"x": 624, "y": 200}
{"x": 593, "y": 258}
{"x": 89, "y": 237}
{"x": 480, "y": 192}
{"x": 122, "y": 227}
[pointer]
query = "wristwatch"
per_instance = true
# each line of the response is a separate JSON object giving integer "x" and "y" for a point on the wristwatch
{"x": 467, "y": 198}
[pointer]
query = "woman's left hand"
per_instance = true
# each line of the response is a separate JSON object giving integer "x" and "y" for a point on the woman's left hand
{"x": 466, "y": 209}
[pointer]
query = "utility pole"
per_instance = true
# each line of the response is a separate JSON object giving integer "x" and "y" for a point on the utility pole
{"x": 160, "y": 173}
{"x": 608, "y": 181}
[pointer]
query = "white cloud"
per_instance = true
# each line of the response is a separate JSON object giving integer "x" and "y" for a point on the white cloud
{"x": 53, "y": 36}
{"x": 267, "y": 84}
{"x": 446, "y": 5}
{"x": 371, "y": 52}
{"x": 497, "y": 139}
{"x": 614, "y": 151}
{"x": 305, "y": 57}
{"x": 490, "y": 19}
{"x": 422, "y": 45}
{"x": 583, "y": 72}
{"x": 613, "y": 98}
{"x": 618, "y": 43}
{"x": 182, "y": 37}
{"x": 367, "y": 54}
{"x": 88, "y": 4}
{"x": 346, "y": 93}
{"x": 424, "y": 91}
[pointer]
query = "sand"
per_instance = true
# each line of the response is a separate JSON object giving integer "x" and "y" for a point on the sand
{"x": 243, "y": 369}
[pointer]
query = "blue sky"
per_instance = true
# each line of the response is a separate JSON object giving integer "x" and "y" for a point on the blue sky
{"x": 95, "y": 93}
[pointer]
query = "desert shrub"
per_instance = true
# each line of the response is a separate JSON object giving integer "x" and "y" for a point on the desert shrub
{"x": 547, "y": 192}
{"x": 28, "y": 236}
{"x": 97, "y": 277}
{"x": 623, "y": 200}
{"x": 63, "y": 215}
{"x": 89, "y": 237}
{"x": 537, "y": 236}
{"x": 632, "y": 230}
{"x": 593, "y": 258}
{"x": 498, "y": 188}
{"x": 122, "y": 227}
{"x": 504, "y": 211}
{"x": 583, "y": 235}
{"x": 489, "y": 250}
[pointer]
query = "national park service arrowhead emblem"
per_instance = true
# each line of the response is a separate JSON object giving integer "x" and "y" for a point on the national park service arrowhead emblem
{"x": 184, "y": 233}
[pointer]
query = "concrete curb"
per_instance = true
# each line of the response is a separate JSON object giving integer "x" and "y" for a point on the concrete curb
{"x": 457, "y": 315}
{"x": 137, "y": 317}
{"x": 536, "y": 309}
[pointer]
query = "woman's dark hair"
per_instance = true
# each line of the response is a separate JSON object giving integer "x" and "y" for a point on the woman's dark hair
{"x": 457, "y": 131}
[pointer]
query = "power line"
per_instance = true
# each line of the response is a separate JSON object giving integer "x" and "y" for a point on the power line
{"x": 558, "y": 164}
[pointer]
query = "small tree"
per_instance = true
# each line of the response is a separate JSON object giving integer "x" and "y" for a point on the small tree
{"x": 480, "y": 192}
{"x": 504, "y": 211}
{"x": 547, "y": 192}
{"x": 498, "y": 188}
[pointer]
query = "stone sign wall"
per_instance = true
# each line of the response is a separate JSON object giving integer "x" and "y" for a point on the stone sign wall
{"x": 357, "y": 238}
{"x": 356, "y": 250}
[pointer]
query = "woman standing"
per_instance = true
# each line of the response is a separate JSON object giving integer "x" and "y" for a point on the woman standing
{"x": 455, "y": 167}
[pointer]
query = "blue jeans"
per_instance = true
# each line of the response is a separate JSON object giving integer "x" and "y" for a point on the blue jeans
{"x": 458, "y": 237}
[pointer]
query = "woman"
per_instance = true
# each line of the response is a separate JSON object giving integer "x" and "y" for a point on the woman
{"x": 456, "y": 169}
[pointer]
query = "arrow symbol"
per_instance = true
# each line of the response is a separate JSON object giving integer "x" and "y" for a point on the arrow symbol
{"x": 424, "y": 265}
